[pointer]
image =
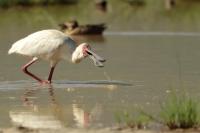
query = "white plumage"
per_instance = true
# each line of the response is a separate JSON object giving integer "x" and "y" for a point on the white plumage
{"x": 53, "y": 46}
{"x": 46, "y": 44}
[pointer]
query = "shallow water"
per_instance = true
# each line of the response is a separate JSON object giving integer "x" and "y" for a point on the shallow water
{"x": 143, "y": 64}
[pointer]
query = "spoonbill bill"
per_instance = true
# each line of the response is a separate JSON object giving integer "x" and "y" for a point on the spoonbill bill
{"x": 52, "y": 46}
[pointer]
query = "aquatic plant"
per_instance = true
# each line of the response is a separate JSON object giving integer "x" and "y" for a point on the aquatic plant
{"x": 129, "y": 120}
{"x": 180, "y": 112}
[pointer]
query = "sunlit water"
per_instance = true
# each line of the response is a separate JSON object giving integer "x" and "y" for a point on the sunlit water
{"x": 141, "y": 69}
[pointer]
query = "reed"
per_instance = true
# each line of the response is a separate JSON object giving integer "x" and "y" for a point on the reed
{"x": 131, "y": 120}
{"x": 180, "y": 112}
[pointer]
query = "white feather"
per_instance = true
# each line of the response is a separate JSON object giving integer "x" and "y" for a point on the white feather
{"x": 46, "y": 44}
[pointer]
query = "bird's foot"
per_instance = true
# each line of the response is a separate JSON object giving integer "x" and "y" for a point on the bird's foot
{"x": 45, "y": 82}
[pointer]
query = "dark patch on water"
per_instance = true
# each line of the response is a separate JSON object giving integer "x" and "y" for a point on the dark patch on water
{"x": 9, "y": 85}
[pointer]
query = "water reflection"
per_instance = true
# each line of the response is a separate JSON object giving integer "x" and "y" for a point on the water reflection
{"x": 85, "y": 118}
{"x": 55, "y": 113}
{"x": 32, "y": 120}
{"x": 28, "y": 96}
{"x": 31, "y": 116}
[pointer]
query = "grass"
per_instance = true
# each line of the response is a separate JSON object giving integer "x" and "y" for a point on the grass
{"x": 180, "y": 112}
{"x": 128, "y": 120}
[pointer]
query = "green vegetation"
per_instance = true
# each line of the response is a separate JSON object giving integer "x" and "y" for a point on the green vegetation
{"x": 127, "y": 120}
{"x": 136, "y": 2}
{"x": 8, "y": 3}
{"x": 180, "y": 112}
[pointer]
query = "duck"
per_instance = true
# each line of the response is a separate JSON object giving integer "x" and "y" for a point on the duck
{"x": 73, "y": 28}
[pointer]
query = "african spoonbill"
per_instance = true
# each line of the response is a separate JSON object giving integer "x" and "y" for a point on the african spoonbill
{"x": 52, "y": 46}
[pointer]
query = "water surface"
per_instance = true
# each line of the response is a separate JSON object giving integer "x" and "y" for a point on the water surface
{"x": 144, "y": 61}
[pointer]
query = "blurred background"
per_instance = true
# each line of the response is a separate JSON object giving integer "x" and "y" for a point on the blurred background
{"x": 151, "y": 46}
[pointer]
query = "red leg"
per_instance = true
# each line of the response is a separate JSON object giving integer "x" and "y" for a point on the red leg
{"x": 25, "y": 67}
{"x": 51, "y": 74}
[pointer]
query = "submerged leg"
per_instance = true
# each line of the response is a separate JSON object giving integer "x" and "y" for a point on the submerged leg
{"x": 25, "y": 70}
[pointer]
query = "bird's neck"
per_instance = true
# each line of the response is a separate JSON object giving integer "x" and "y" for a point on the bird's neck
{"x": 72, "y": 45}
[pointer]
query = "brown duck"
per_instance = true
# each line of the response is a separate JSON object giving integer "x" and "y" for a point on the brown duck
{"x": 73, "y": 28}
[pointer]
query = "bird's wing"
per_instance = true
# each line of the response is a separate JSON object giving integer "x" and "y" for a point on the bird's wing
{"x": 39, "y": 43}
{"x": 35, "y": 47}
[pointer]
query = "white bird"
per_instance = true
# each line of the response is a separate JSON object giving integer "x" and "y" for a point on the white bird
{"x": 53, "y": 46}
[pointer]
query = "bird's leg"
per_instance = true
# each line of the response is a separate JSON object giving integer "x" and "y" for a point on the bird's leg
{"x": 25, "y": 70}
{"x": 51, "y": 74}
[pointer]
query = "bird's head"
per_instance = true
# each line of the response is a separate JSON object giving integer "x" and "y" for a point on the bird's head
{"x": 84, "y": 50}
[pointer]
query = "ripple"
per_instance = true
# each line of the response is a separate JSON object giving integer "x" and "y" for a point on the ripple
{"x": 12, "y": 85}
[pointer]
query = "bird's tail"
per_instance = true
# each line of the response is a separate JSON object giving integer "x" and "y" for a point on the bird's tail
{"x": 10, "y": 51}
